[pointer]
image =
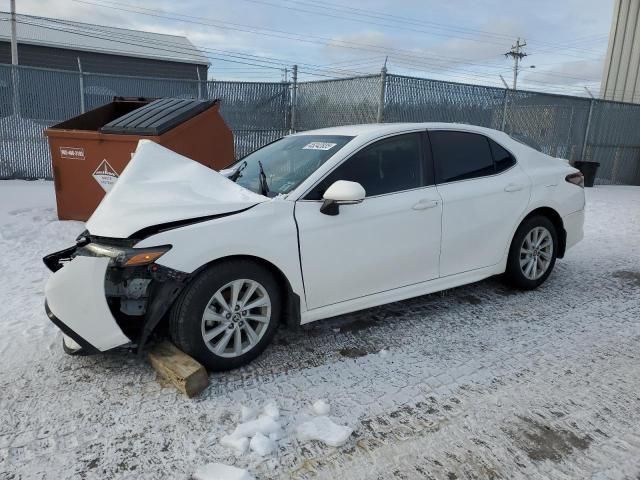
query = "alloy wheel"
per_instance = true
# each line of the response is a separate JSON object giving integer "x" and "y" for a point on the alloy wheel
{"x": 536, "y": 253}
{"x": 236, "y": 318}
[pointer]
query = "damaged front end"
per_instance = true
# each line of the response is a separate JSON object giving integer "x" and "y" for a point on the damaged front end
{"x": 136, "y": 292}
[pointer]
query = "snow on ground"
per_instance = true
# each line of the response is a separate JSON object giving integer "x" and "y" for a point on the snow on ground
{"x": 482, "y": 381}
{"x": 218, "y": 471}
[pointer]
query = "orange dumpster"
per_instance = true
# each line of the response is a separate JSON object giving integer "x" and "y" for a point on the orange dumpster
{"x": 90, "y": 151}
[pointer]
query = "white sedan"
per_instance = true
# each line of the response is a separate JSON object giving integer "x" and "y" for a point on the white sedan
{"x": 314, "y": 225}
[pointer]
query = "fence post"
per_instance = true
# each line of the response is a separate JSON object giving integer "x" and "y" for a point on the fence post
{"x": 199, "y": 83}
{"x": 294, "y": 98}
{"x": 383, "y": 89}
{"x": 82, "y": 108}
{"x": 503, "y": 124}
{"x": 586, "y": 131}
{"x": 15, "y": 89}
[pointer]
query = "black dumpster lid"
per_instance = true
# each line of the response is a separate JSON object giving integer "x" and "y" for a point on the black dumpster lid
{"x": 157, "y": 117}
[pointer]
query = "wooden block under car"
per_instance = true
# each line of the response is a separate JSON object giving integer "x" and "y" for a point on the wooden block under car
{"x": 178, "y": 369}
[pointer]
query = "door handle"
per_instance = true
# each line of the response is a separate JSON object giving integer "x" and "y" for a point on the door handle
{"x": 512, "y": 187}
{"x": 424, "y": 204}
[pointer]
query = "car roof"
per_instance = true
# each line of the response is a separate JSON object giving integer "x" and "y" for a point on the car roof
{"x": 381, "y": 129}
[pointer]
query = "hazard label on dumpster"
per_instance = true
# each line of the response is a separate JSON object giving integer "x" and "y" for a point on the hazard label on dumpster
{"x": 105, "y": 175}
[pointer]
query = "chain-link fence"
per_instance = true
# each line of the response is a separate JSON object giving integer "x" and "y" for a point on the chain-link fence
{"x": 32, "y": 99}
{"x": 328, "y": 103}
{"x": 418, "y": 100}
{"x": 568, "y": 127}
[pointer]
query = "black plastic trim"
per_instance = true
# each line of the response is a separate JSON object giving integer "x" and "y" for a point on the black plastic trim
{"x": 86, "y": 346}
{"x": 429, "y": 171}
{"x": 163, "y": 227}
{"x": 294, "y": 316}
{"x": 52, "y": 261}
{"x": 161, "y": 298}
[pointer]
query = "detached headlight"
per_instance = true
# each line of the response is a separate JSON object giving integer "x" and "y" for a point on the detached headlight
{"x": 126, "y": 256}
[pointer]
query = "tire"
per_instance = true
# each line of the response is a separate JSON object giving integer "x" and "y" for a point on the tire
{"x": 525, "y": 270}
{"x": 188, "y": 325}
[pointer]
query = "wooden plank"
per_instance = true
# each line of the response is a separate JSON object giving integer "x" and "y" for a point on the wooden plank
{"x": 179, "y": 369}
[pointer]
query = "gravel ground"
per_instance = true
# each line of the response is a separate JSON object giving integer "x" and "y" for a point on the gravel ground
{"x": 478, "y": 382}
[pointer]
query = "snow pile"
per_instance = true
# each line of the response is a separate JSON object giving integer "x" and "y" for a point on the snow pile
{"x": 320, "y": 407}
{"x": 248, "y": 413}
{"x": 271, "y": 410}
{"x": 264, "y": 424}
{"x": 259, "y": 434}
{"x": 238, "y": 444}
{"x": 218, "y": 471}
{"x": 262, "y": 445}
{"x": 324, "y": 430}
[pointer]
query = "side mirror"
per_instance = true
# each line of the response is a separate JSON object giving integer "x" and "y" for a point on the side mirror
{"x": 341, "y": 192}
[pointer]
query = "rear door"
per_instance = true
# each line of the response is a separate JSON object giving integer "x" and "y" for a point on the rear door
{"x": 484, "y": 193}
{"x": 390, "y": 240}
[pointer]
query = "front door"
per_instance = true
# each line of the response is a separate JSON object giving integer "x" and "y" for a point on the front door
{"x": 390, "y": 240}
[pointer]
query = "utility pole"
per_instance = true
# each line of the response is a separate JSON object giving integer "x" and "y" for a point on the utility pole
{"x": 82, "y": 108}
{"x": 14, "y": 40}
{"x": 517, "y": 54}
{"x": 294, "y": 98}
{"x": 15, "y": 94}
{"x": 383, "y": 89}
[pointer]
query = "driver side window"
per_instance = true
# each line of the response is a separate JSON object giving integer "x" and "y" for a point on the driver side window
{"x": 387, "y": 166}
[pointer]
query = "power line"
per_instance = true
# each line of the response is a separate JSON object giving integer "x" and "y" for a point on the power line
{"x": 253, "y": 60}
{"x": 176, "y": 49}
{"x": 430, "y": 60}
{"x": 358, "y": 13}
{"x": 95, "y": 32}
{"x": 306, "y": 38}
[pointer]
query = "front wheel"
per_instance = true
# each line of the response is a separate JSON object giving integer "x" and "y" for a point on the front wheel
{"x": 228, "y": 315}
{"x": 532, "y": 254}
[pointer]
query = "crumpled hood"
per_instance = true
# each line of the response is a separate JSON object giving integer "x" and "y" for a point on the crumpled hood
{"x": 160, "y": 186}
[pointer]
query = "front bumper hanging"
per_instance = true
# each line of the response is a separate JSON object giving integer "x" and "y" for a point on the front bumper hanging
{"x": 76, "y": 300}
{"x": 75, "y": 297}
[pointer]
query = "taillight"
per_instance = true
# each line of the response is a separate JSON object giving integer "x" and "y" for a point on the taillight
{"x": 575, "y": 178}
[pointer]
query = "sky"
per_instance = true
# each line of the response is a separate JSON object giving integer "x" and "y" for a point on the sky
{"x": 455, "y": 40}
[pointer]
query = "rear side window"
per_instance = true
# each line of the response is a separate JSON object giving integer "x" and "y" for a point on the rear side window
{"x": 502, "y": 158}
{"x": 387, "y": 166}
{"x": 460, "y": 155}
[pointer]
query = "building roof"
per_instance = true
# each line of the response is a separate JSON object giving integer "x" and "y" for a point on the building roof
{"x": 57, "y": 33}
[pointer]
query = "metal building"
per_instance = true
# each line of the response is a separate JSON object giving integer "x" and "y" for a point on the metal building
{"x": 66, "y": 45}
{"x": 621, "y": 76}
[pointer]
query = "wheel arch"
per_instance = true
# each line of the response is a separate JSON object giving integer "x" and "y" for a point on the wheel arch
{"x": 291, "y": 311}
{"x": 556, "y": 219}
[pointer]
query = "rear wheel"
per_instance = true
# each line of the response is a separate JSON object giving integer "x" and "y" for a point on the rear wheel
{"x": 228, "y": 315}
{"x": 532, "y": 254}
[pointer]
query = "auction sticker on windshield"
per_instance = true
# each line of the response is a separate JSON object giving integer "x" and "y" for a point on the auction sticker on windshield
{"x": 319, "y": 146}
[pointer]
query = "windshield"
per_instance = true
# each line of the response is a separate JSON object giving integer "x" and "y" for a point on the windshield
{"x": 286, "y": 163}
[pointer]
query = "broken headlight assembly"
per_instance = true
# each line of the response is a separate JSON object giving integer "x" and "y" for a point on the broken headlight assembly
{"x": 122, "y": 256}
